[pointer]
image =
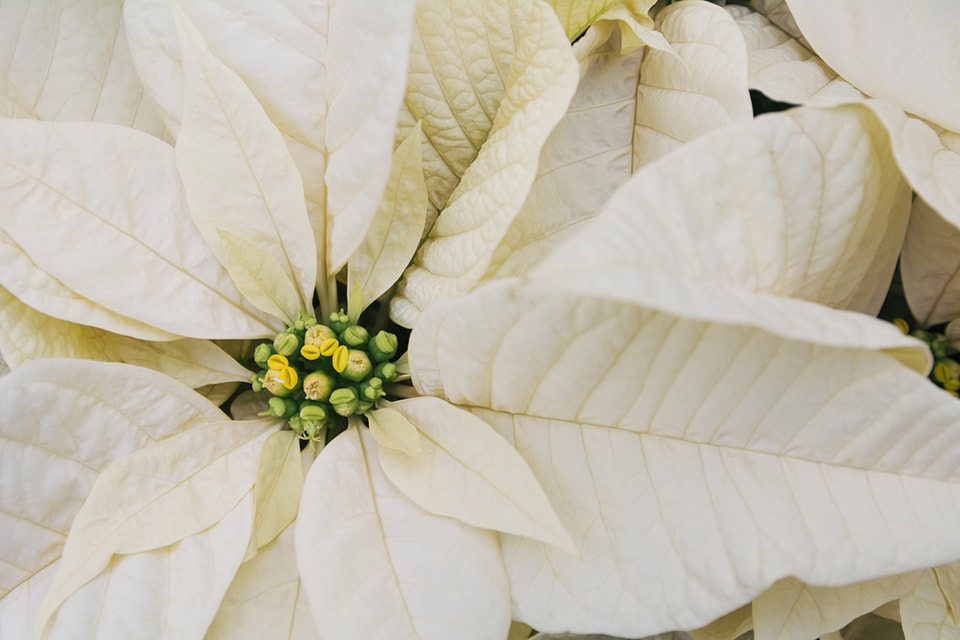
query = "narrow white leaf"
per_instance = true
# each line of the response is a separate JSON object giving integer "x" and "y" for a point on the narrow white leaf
{"x": 391, "y": 429}
{"x": 260, "y": 278}
{"x": 278, "y": 487}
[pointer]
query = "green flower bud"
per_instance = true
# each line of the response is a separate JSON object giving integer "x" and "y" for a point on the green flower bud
{"x": 313, "y": 411}
{"x": 345, "y": 401}
{"x": 358, "y": 365}
{"x": 280, "y": 408}
{"x": 317, "y": 334}
{"x": 354, "y": 336}
{"x": 313, "y": 429}
{"x": 339, "y": 321}
{"x": 262, "y": 353}
{"x": 386, "y": 371}
{"x": 371, "y": 390}
{"x": 296, "y": 424}
{"x": 319, "y": 385}
{"x": 286, "y": 343}
{"x": 363, "y": 407}
{"x": 382, "y": 346}
{"x": 256, "y": 381}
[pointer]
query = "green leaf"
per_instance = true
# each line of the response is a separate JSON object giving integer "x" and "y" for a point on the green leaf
{"x": 96, "y": 214}
{"x": 360, "y": 541}
{"x": 468, "y": 472}
{"x": 395, "y": 231}
{"x": 156, "y": 497}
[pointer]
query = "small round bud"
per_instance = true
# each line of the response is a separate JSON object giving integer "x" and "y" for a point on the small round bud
{"x": 357, "y": 367}
{"x": 286, "y": 343}
{"x": 277, "y": 362}
{"x": 280, "y": 407}
{"x": 313, "y": 411}
{"x": 312, "y": 429}
{"x": 382, "y": 346}
{"x": 262, "y": 353}
{"x": 371, "y": 390}
{"x": 339, "y": 321}
{"x": 317, "y": 334}
{"x": 280, "y": 382}
{"x": 318, "y": 385}
{"x": 386, "y": 371}
{"x": 345, "y": 401}
{"x": 363, "y": 407}
{"x": 256, "y": 381}
{"x": 310, "y": 351}
{"x": 354, "y": 336}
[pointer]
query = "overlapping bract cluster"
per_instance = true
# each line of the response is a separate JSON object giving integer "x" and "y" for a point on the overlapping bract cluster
{"x": 317, "y": 372}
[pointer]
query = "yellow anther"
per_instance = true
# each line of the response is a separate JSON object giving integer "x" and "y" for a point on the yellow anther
{"x": 310, "y": 351}
{"x": 941, "y": 372}
{"x": 289, "y": 377}
{"x": 277, "y": 362}
{"x": 901, "y": 324}
{"x": 340, "y": 358}
{"x": 329, "y": 346}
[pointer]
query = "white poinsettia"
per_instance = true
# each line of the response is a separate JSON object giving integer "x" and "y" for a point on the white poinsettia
{"x": 915, "y": 94}
{"x": 220, "y": 238}
{"x": 705, "y": 426}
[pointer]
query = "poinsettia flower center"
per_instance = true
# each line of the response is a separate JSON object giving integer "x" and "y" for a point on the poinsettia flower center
{"x": 318, "y": 375}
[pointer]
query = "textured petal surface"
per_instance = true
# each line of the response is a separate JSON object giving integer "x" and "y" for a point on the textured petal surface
{"x": 460, "y": 245}
{"x": 157, "y": 496}
{"x": 395, "y": 231}
{"x": 375, "y": 565}
{"x": 278, "y": 487}
{"x": 47, "y": 471}
{"x": 239, "y": 177}
{"x": 854, "y": 38}
{"x": 70, "y": 61}
{"x": 929, "y": 612}
{"x": 741, "y": 208}
{"x": 468, "y": 472}
{"x": 266, "y": 599}
{"x": 113, "y": 231}
{"x": 930, "y": 266}
{"x": 694, "y": 464}
{"x": 169, "y": 593}
{"x": 26, "y": 334}
{"x": 577, "y": 15}
{"x": 699, "y": 86}
{"x": 792, "y": 610}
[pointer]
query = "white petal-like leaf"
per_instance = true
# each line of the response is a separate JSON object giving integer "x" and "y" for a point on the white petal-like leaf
{"x": 930, "y": 266}
{"x": 929, "y": 612}
{"x": 62, "y": 422}
{"x": 376, "y": 566}
{"x": 460, "y": 245}
{"x": 698, "y": 87}
{"x": 854, "y": 37}
{"x": 792, "y": 610}
{"x": 395, "y": 231}
{"x": 266, "y": 599}
{"x": 391, "y": 429}
{"x": 18, "y": 609}
{"x": 99, "y": 210}
{"x": 278, "y": 487}
{"x": 169, "y": 593}
{"x": 239, "y": 177}
{"x": 727, "y": 627}
{"x": 468, "y": 472}
{"x": 694, "y": 464}
{"x": 26, "y": 334}
{"x": 157, "y": 496}
{"x": 741, "y": 208}
{"x": 70, "y": 61}
{"x": 576, "y": 16}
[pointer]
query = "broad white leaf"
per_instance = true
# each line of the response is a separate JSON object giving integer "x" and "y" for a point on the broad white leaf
{"x": 239, "y": 178}
{"x": 854, "y": 37}
{"x": 169, "y": 593}
{"x": 395, "y": 231}
{"x": 18, "y": 608}
{"x": 929, "y": 612}
{"x": 577, "y": 16}
{"x": 930, "y": 266}
{"x": 62, "y": 422}
{"x": 468, "y": 472}
{"x": 26, "y": 334}
{"x": 278, "y": 487}
{"x": 266, "y": 599}
{"x": 806, "y": 204}
{"x": 694, "y": 463}
{"x": 700, "y": 86}
{"x": 98, "y": 209}
{"x": 156, "y": 497}
{"x": 460, "y": 245}
{"x": 375, "y": 565}
{"x": 729, "y": 626}
{"x": 391, "y": 429}
{"x": 70, "y": 61}
{"x": 792, "y": 610}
